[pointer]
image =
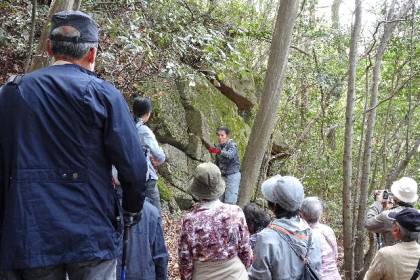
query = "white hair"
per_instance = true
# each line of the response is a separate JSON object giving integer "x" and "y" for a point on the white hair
{"x": 70, "y": 50}
{"x": 312, "y": 209}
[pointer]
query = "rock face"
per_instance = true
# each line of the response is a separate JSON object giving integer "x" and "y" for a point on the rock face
{"x": 185, "y": 118}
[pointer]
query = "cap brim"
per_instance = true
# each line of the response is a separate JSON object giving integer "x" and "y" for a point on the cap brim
{"x": 392, "y": 214}
{"x": 267, "y": 188}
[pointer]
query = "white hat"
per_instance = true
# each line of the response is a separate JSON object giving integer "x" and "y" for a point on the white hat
{"x": 405, "y": 189}
{"x": 286, "y": 191}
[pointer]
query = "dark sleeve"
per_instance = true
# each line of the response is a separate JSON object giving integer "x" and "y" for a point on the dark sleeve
{"x": 123, "y": 147}
{"x": 9, "y": 104}
{"x": 2, "y": 183}
{"x": 160, "y": 253}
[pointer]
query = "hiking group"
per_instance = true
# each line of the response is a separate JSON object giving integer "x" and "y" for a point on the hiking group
{"x": 78, "y": 176}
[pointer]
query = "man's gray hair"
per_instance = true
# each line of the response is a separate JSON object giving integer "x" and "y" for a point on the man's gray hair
{"x": 312, "y": 209}
{"x": 406, "y": 235}
{"x": 70, "y": 50}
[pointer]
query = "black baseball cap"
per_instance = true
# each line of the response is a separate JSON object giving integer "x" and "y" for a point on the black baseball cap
{"x": 409, "y": 218}
{"x": 79, "y": 20}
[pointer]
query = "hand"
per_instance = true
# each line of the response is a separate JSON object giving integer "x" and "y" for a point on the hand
{"x": 214, "y": 151}
{"x": 378, "y": 195}
{"x": 388, "y": 204}
{"x": 154, "y": 162}
{"x": 130, "y": 218}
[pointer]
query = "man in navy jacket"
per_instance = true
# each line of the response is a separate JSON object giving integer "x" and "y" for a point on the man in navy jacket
{"x": 61, "y": 130}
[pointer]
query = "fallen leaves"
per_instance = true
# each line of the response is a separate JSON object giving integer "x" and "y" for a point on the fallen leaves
{"x": 172, "y": 228}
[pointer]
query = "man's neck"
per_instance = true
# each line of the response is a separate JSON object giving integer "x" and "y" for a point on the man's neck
{"x": 63, "y": 61}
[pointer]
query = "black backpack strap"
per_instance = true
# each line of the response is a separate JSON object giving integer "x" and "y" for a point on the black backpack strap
{"x": 416, "y": 272}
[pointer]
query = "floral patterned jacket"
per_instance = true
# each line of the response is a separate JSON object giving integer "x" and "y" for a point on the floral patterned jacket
{"x": 213, "y": 232}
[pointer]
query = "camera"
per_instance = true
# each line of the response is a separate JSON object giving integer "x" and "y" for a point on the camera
{"x": 385, "y": 195}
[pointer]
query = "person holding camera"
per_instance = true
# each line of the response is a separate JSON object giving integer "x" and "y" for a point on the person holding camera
{"x": 404, "y": 195}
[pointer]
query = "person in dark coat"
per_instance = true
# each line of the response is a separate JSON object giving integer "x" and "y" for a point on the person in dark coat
{"x": 227, "y": 159}
{"x": 61, "y": 130}
{"x": 147, "y": 254}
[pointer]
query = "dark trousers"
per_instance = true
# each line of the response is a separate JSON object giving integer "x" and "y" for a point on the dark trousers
{"x": 152, "y": 192}
{"x": 91, "y": 270}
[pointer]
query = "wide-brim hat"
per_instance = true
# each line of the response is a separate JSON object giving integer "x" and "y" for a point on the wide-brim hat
{"x": 405, "y": 190}
{"x": 207, "y": 182}
{"x": 286, "y": 191}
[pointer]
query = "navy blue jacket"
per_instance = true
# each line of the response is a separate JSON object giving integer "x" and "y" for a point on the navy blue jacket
{"x": 147, "y": 257}
{"x": 61, "y": 129}
{"x": 228, "y": 161}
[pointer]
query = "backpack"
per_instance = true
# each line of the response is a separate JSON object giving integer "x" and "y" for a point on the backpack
{"x": 309, "y": 273}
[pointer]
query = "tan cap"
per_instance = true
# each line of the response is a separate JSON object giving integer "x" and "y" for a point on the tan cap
{"x": 207, "y": 182}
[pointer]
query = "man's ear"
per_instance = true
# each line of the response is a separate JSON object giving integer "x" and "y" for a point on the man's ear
{"x": 49, "y": 48}
{"x": 92, "y": 55}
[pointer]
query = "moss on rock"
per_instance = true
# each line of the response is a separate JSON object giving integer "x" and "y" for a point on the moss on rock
{"x": 164, "y": 190}
{"x": 215, "y": 110}
{"x": 169, "y": 118}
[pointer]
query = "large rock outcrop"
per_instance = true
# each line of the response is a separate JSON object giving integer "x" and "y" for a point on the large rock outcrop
{"x": 185, "y": 118}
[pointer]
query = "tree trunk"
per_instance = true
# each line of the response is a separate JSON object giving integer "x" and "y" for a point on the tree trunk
{"x": 266, "y": 117}
{"x": 358, "y": 178}
{"x": 31, "y": 35}
{"x": 389, "y": 27}
{"x": 403, "y": 164}
{"x": 77, "y": 4}
{"x": 41, "y": 58}
{"x": 370, "y": 254}
{"x": 348, "y": 146}
{"x": 383, "y": 151}
{"x": 335, "y": 14}
{"x": 264, "y": 167}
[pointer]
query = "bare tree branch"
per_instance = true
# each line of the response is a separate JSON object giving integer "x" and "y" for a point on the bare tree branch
{"x": 393, "y": 94}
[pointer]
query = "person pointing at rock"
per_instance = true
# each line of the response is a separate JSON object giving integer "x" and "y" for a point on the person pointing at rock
{"x": 227, "y": 159}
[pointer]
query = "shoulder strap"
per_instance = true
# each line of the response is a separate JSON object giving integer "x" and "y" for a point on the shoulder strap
{"x": 282, "y": 233}
{"x": 309, "y": 245}
{"x": 416, "y": 272}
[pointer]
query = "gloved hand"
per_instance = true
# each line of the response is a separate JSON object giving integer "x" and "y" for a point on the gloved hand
{"x": 130, "y": 218}
{"x": 214, "y": 151}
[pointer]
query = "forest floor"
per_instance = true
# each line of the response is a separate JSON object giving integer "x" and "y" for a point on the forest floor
{"x": 172, "y": 229}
